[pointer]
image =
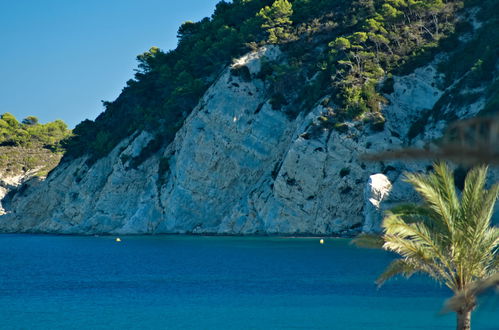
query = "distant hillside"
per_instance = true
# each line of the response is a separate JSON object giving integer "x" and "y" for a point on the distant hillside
{"x": 30, "y": 147}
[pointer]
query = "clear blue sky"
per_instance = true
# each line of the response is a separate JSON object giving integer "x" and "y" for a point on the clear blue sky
{"x": 60, "y": 58}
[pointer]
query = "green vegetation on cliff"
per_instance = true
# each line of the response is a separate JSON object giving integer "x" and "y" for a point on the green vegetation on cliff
{"x": 30, "y": 146}
{"x": 343, "y": 52}
{"x": 33, "y": 161}
{"x": 30, "y": 133}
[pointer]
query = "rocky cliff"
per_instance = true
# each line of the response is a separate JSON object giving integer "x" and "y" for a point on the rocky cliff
{"x": 21, "y": 164}
{"x": 239, "y": 167}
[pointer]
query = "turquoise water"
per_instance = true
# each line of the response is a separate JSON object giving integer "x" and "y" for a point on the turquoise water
{"x": 170, "y": 282}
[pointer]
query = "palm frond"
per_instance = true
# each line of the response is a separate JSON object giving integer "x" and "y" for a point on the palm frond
{"x": 417, "y": 245}
{"x": 417, "y": 233}
{"x": 397, "y": 267}
{"x": 445, "y": 178}
{"x": 414, "y": 213}
{"x": 473, "y": 186}
{"x": 431, "y": 191}
{"x": 477, "y": 204}
{"x": 486, "y": 208}
{"x": 368, "y": 241}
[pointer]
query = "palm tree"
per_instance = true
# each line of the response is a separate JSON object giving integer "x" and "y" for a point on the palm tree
{"x": 448, "y": 237}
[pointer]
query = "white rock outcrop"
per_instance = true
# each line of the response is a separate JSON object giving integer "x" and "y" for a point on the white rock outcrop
{"x": 3, "y": 193}
{"x": 11, "y": 181}
{"x": 377, "y": 190}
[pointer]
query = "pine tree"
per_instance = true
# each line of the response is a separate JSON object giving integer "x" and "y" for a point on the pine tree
{"x": 277, "y": 20}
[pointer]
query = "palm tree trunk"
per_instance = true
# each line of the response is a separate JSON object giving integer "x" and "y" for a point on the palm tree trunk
{"x": 464, "y": 320}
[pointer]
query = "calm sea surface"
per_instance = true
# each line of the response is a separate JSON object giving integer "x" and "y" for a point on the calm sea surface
{"x": 173, "y": 282}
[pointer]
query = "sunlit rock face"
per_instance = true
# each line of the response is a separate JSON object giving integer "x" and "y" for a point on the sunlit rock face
{"x": 238, "y": 167}
{"x": 3, "y": 193}
{"x": 377, "y": 190}
{"x": 11, "y": 181}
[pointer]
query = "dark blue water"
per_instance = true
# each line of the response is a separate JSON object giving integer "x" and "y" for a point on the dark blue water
{"x": 51, "y": 282}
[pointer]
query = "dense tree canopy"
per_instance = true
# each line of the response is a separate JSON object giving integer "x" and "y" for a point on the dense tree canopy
{"x": 337, "y": 48}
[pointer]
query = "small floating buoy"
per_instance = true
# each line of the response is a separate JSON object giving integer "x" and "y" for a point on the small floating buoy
{"x": 321, "y": 241}
{"x": 118, "y": 239}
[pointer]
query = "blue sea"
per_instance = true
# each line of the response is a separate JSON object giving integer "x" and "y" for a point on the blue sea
{"x": 182, "y": 282}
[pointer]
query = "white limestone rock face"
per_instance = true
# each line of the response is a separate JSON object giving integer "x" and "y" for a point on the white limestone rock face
{"x": 3, "y": 193}
{"x": 413, "y": 94}
{"x": 9, "y": 182}
{"x": 235, "y": 167}
{"x": 225, "y": 148}
{"x": 76, "y": 198}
